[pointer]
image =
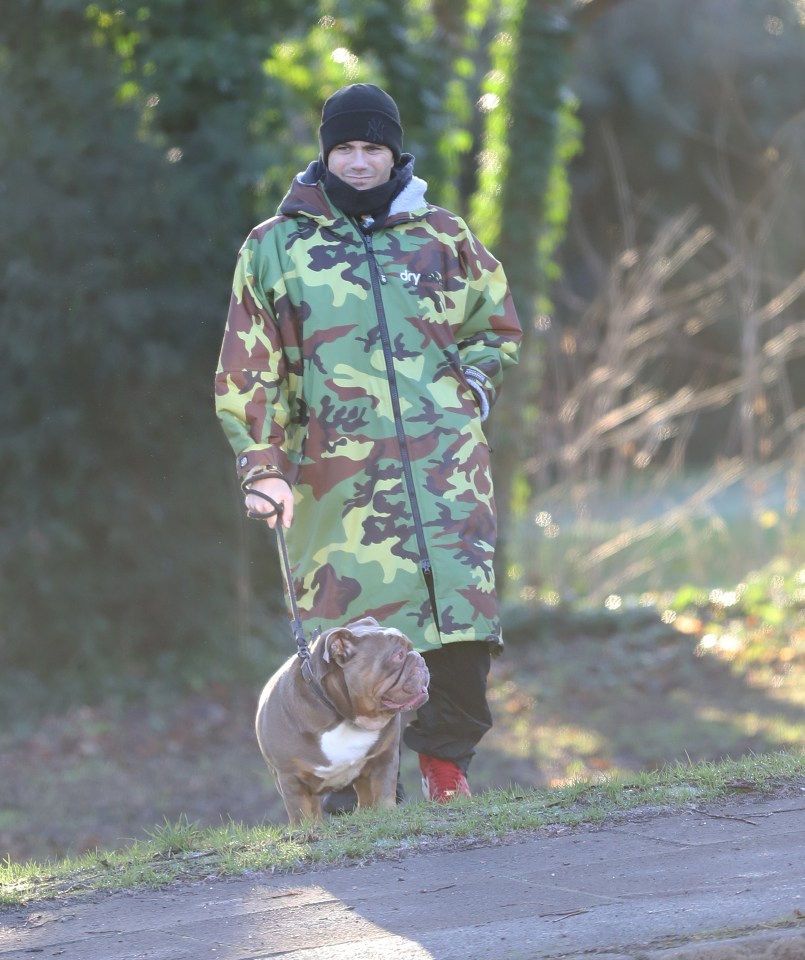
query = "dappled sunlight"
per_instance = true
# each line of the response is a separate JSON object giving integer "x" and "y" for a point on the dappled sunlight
{"x": 346, "y": 59}
{"x": 555, "y": 750}
{"x": 592, "y": 770}
{"x": 638, "y": 681}
{"x": 751, "y": 724}
{"x": 725, "y": 645}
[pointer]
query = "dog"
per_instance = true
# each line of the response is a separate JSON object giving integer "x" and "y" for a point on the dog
{"x": 337, "y": 719}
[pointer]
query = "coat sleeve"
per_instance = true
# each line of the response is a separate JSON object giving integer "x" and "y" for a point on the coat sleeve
{"x": 489, "y": 337}
{"x": 252, "y": 382}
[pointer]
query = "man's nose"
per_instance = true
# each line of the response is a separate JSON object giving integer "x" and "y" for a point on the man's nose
{"x": 359, "y": 159}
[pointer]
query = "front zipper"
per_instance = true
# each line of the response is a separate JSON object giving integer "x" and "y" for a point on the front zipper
{"x": 378, "y": 278}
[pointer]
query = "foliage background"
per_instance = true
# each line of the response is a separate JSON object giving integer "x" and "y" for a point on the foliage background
{"x": 638, "y": 167}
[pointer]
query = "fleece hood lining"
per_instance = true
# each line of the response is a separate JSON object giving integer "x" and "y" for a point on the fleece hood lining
{"x": 409, "y": 200}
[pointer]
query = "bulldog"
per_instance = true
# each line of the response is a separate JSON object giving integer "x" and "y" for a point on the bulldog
{"x": 336, "y": 719}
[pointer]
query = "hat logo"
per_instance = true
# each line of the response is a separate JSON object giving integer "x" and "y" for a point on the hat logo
{"x": 374, "y": 132}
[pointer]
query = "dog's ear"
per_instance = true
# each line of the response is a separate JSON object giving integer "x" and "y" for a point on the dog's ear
{"x": 339, "y": 645}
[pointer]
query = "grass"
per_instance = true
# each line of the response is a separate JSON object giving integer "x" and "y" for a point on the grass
{"x": 182, "y": 851}
{"x": 592, "y": 542}
{"x": 696, "y": 675}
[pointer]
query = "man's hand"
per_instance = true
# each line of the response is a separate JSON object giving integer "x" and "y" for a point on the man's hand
{"x": 279, "y": 491}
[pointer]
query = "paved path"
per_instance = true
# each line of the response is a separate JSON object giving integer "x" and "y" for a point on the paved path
{"x": 723, "y": 884}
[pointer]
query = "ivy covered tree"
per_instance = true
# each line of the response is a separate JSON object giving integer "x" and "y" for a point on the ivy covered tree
{"x": 121, "y": 231}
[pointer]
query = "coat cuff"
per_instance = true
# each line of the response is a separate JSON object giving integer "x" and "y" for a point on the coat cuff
{"x": 268, "y": 460}
{"x": 482, "y": 387}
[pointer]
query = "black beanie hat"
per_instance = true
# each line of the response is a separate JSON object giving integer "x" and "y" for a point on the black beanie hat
{"x": 360, "y": 111}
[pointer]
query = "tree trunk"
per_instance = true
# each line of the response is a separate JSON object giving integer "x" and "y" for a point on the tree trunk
{"x": 541, "y": 64}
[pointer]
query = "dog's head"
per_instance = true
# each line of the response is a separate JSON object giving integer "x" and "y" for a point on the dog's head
{"x": 382, "y": 672}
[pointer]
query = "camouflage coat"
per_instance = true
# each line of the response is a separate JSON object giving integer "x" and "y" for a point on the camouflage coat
{"x": 343, "y": 367}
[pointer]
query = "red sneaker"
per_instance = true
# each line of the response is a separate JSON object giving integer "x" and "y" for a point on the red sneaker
{"x": 442, "y": 780}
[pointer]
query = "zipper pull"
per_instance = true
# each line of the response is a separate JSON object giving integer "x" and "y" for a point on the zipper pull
{"x": 370, "y": 249}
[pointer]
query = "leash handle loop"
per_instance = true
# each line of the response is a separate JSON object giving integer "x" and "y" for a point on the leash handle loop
{"x": 246, "y": 486}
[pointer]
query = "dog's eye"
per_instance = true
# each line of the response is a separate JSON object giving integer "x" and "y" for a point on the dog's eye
{"x": 399, "y": 655}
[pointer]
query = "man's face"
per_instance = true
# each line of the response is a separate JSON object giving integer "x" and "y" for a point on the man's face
{"x": 361, "y": 164}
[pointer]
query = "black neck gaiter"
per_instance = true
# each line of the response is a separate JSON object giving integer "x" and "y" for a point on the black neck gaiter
{"x": 356, "y": 203}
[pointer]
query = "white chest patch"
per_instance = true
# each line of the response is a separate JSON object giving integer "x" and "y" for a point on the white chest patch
{"x": 345, "y": 748}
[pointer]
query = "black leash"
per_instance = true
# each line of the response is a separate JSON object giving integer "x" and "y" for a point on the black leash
{"x": 302, "y": 648}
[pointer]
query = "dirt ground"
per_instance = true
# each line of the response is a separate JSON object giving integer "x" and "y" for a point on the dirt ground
{"x": 101, "y": 776}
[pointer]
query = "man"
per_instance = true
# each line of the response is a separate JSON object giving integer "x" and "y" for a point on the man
{"x": 367, "y": 337}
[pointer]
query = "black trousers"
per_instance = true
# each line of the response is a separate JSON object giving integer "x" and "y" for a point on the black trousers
{"x": 456, "y": 715}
